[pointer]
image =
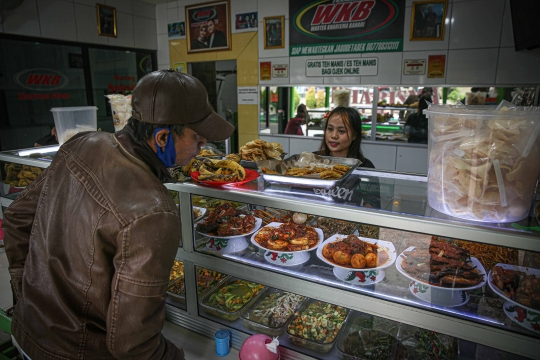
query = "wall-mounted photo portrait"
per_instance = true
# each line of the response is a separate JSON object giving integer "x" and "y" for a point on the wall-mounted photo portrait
{"x": 106, "y": 20}
{"x": 274, "y": 32}
{"x": 246, "y": 22}
{"x": 176, "y": 30}
{"x": 208, "y": 27}
{"x": 427, "y": 20}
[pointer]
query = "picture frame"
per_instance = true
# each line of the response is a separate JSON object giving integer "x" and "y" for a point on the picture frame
{"x": 246, "y": 22}
{"x": 106, "y": 20}
{"x": 274, "y": 32}
{"x": 428, "y": 20}
{"x": 176, "y": 30}
{"x": 208, "y": 27}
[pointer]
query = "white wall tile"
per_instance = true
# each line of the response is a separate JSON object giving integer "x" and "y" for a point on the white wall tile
{"x": 86, "y": 20}
{"x": 476, "y": 24}
{"x": 264, "y": 53}
{"x": 242, "y": 7}
{"x": 23, "y": 20}
{"x": 163, "y": 49}
{"x": 164, "y": 66}
{"x": 273, "y": 8}
{"x": 507, "y": 34}
{"x": 145, "y": 33}
{"x": 87, "y": 2}
{"x": 412, "y": 159}
{"x": 182, "y": 13}
{"x": 172, "y": 15}
{"x": 297, "y": 71}
{"x": 124, "y": 31}
{"x": 172, "y": 4}
{"x": 57, "y": 20}
{"x": 421, "y": 79}
{"x": 277, "y": 81}
{"x": 389, "y": 71}
{"x": 190, "y": 2}
{"x": 382, "y": 156}
{"x": 143, "y": 9}
{"x": 409, "y": 45}
{"x": 161, "y": 18}
{"x": 345, "y": 80}
{"x": 123, "y": 6}
{"x": 472, "y": 66}
{"x": 518, "y": 67}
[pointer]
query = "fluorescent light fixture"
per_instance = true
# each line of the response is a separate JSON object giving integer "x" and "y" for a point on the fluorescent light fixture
{"x": 40, "y": 150}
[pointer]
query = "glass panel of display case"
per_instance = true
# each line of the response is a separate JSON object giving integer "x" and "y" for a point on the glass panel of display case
{"x": 176, "y": 291}
{"x": 489, "y": 284}
{"x": 324, "y": 330}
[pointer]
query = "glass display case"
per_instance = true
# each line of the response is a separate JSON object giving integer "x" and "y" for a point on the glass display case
{"x": 438, "y": 287}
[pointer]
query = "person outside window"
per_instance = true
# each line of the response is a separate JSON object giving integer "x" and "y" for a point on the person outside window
{"x": 416, "y": 126}
{"x": 90, "y": 243}
{"x": 294, "y": 126}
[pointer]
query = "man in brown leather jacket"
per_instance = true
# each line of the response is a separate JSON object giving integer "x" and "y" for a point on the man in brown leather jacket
{"x": 91, "y": 241}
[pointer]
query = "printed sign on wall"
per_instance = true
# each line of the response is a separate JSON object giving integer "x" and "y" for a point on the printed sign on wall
{"x": 280, "y": 70}
{"x": 345, "y": 27}
{"x": 265, "y": 70}
{"x": 342, "y": 67}
{"x": 414, "y": 67}
{"x": 436, "y": 66}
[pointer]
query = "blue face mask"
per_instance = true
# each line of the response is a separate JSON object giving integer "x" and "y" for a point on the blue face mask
{"x": 167, "y": 157}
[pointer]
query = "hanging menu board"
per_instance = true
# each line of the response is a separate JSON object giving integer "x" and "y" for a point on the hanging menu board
{"x": 323, "y": 27}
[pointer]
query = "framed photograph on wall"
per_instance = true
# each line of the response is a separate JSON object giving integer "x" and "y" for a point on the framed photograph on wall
{"x": 274, "y": 32}
{"x": 176, "y": 30}
{"x": 106, "y": 20}
{"x": 427, "y": 20}
{"x": 246, "y": 22}
{"x": 208, "y": 27}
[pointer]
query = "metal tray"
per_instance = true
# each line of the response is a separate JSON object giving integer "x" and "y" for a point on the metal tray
{"x": 178, "y": 297}
{"x": 312, "y": 182}
{"x": 261, "y": 328}
{"x": 253, "y": 164}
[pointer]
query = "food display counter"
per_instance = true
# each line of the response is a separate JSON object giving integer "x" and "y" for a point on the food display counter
{"x": 467, "y": 305}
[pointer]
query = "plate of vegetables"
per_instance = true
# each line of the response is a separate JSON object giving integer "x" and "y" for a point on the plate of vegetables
{"x": 227, "y": 300}
{"x": 316, "y": 325}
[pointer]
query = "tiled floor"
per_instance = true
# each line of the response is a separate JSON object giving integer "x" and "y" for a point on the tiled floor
{"x": 196, "y": 347}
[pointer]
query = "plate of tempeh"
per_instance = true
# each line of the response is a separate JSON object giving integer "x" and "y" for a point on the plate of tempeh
{"x": 442, "y": 265}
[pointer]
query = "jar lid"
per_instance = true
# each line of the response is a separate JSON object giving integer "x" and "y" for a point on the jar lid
{"x": 222, "y": 334}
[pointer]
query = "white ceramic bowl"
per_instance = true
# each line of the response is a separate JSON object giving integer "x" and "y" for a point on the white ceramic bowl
{"x": 227, "y": 246}
{"x": 359, "y": 277}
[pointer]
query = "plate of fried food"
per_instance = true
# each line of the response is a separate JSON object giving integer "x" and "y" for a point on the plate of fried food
{"x": 356, "y": 259}
{"x": 217, "y": 172}
{"x": 258, "y": 149}
{"x": 198, "y": 213}
{"x": 209, "y": 152}
{"x": 226, "y": 222}
{"x": 308, "y": 170}
{"x": 441, "y": 272}
{"x": 520, "y": 287}
{"x": 287, "y": 244}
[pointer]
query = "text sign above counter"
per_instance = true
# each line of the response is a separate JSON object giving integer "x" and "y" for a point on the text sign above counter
{"x": 345, "y": 26}
{"x": 248, "y": 95}
{"x": 342, "y": 67}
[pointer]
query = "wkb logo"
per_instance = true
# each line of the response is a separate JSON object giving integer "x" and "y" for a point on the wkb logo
{"x": 41, "y": 79}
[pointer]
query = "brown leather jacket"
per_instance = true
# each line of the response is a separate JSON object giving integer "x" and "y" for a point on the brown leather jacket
{"x": 90, "y": 244}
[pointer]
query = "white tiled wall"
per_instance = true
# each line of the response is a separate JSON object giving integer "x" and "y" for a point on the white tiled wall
{"x": 76, "y": 20}
{"x": 478, "y": 45}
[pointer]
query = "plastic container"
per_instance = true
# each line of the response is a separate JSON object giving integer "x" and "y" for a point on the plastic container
{"x": 223, "y": 342}
{"x": 370, "y": 337}
{"x": 251, "y": 321}
{"x": 220, "y": 311}
{"x": 483, "y": 163}
{"x": 72, "y": 120}
{"x": 321, "y": 346}
{"x": 121, "y": 110}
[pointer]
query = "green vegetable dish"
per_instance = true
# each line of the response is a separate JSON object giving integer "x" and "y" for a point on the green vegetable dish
{"x": 234, "y": 296}
{"x": 319, "y": 322}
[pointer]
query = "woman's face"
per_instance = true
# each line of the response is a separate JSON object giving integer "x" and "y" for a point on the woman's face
{"x": 337, "y": 137}
{"x": 202, "y": 33}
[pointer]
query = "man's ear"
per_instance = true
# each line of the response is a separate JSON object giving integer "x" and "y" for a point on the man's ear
{"x": 161, "y": 137}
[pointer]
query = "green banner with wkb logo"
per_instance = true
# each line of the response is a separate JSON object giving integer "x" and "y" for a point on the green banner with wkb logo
{"x": 325, "y": 27}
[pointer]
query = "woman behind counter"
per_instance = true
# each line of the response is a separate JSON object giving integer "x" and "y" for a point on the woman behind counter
{"x": 343, "y": 136}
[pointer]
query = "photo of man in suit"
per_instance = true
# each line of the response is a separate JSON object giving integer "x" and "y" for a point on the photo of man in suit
{"x": 215, "y": 37}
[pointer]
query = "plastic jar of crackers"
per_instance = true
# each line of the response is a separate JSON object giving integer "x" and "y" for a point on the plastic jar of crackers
{"x": 483, "y": 163}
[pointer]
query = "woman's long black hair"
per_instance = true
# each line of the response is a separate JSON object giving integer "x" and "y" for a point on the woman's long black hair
{"x": 351, "y": 119}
